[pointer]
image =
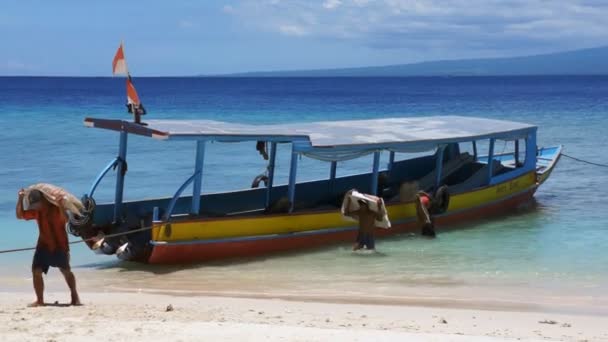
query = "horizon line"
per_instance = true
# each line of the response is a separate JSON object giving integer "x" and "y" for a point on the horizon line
{"x": 253, "y": 75}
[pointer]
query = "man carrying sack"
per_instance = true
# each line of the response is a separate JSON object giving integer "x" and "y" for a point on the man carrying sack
{"x": 47, "y": 204}
{"x": 369, "y": 211}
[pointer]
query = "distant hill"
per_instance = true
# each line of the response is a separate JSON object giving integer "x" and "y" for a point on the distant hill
{"x": 579, "y": 62}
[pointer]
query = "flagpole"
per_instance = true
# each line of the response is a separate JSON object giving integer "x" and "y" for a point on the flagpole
{"x": 133, "y": 105}
{"x": 130, "y": 106}
{"x": 136, "y": 116}
{"x": 122, "y": 45}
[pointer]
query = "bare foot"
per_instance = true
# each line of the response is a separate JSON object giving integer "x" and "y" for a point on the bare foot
{"x": 76, "y": 301}
{"x": 35, "y": 304}
{"x": 357, "y": 247}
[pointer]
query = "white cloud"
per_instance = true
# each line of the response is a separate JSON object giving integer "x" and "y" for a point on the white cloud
{"x": 228, "y": 9}
{"x": 15, "y": 67}
{"x": 292, "y": 30}
{"x": 186, "y": 24}
{"x": 331, "y": 4}
{"x": 489, "y": 25}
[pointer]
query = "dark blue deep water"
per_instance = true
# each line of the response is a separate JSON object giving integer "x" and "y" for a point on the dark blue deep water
{"x": 560, "y": 243}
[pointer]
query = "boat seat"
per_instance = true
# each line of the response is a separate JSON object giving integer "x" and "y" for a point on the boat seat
{"x": 428, "y": 182}
{"x": 478, "y": 179}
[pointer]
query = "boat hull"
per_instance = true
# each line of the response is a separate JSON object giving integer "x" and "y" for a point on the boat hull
{"x": 180, "y": 252}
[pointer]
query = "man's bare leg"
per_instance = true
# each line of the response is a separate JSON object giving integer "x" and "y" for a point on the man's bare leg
{"x": 71, "y": 281}
{"x": 38, "y": 287}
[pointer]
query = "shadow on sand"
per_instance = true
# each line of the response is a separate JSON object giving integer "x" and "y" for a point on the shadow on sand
{"x": 55, "y": 305}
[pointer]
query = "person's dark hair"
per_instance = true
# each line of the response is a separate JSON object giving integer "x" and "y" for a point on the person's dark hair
{"x": 34, "y": 196}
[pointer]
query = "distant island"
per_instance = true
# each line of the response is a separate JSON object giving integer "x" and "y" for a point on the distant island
{"x": 592, "y": 61}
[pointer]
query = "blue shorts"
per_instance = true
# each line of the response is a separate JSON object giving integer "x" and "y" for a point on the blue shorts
{"x": 366, "y": 239}
{"x": 44, "y": 259}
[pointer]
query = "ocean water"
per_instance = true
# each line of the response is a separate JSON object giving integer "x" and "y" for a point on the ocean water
{"x": 558, "y": 246}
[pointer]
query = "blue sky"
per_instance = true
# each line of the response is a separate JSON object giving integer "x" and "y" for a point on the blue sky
{"x": 79, "y": 38}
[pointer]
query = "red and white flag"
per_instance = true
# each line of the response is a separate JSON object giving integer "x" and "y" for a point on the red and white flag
{"x": 134, "y": 105}
{"x": 132, "y": 97}
{"x": 119, "y": 64}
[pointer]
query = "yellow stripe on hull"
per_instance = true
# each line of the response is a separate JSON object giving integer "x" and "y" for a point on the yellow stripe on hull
{"x": 280, "y": 224}
{"x": 493, "y": 193}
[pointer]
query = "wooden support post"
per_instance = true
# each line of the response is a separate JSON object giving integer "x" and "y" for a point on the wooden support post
{"x": 332, "y": 176}
{"x": 291, "y": 190}
{"x": 475, "y": 149}
{"x": 439, "y": 166}
{"x": 120, "y": 177}
{"x": 490, "y": 161}
{"x": 376, "y": 167}
{"x": 516, "y": 152}
{"x": 271, "y": 166}
{"x": 198, "y": 178}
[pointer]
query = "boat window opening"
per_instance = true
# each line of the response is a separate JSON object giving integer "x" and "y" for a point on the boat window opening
{"x": 462, "y": 169}
{"x": 483, "y": 149}
{"x": 509, "y": 154}
{"x": 467, "y": 147}
{"x": 143, "y": 181}
{"x": 321, "y": 191}
{"x": 410, "y": 173}
{"x": 232, "y": 166}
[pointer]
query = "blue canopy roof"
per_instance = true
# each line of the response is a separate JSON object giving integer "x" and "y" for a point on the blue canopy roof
{"x": 406, "y": 134}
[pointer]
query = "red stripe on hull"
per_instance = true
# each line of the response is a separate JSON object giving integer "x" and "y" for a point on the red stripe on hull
{"x": 198, "y": 252}
{"x": 498, "y": 208}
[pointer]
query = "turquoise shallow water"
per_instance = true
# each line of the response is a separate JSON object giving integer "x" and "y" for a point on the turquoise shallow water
{"x": 556, "y": 246}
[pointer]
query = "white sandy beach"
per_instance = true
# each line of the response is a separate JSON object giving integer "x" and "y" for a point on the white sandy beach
{"x": 142, "y": 316}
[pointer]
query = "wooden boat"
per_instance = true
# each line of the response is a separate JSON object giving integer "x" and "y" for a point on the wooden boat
{"x": 274, "y": 218}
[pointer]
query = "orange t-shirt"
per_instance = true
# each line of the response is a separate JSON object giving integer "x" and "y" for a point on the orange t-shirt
{"x": 51, "y": 225}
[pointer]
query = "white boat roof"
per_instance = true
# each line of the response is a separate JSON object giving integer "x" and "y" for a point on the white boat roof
{"x": 419, "y": 131}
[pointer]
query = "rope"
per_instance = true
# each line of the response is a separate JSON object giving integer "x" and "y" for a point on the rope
{"x": 584, "y": 161}
{"x": 79, "y": 241}
{"x": 86, "y": 213}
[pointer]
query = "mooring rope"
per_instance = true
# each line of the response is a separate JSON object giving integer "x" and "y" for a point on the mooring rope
{"x": 584, "y": 161}
{"x": 79, "y": 241}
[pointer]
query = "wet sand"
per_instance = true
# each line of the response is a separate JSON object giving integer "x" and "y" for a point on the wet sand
{"x": 128, "y": 316}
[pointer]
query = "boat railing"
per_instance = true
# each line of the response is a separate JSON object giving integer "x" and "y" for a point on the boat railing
{"x": 102, "y": 174}
{"x": 178, "y": 193}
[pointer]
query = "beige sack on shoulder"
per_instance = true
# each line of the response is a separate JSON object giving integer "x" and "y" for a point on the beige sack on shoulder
{"x": 58, "y": 197}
